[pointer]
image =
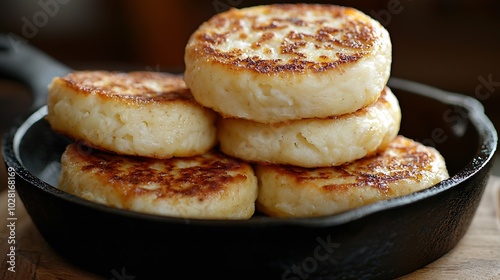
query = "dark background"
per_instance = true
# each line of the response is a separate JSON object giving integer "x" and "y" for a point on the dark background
{"x": 450, "y": 44}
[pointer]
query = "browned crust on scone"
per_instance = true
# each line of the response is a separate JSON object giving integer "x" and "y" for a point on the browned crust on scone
{"x": 412, "y": 162}
{"x": 349, "y": 43}
{"x": 198, "y": 177}
{"x": 130, "y": 87}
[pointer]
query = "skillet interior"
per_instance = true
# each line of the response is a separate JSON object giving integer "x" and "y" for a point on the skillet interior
{"x": 375, "y": 241}
{"x": 443, "y": 120}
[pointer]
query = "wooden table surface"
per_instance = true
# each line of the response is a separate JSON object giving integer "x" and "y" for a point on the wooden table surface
{"x": 477, "y": 256}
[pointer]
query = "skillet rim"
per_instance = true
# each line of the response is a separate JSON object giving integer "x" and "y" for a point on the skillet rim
{"x": 488, "y": 139}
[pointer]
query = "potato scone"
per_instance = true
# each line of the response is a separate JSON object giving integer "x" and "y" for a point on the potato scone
{"x": 137, "y": 113}
{"x": 314, "y": 142}
{"x": 404, "y": 167}
{"x": 282, "y": 62}
{"x": 208, "y": 186}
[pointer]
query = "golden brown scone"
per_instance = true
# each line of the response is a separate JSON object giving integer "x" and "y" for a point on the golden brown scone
{"x": 138, "y": 113}
{"x": 314, "y": 142}
{"x": 209, "y": 186}
{"x": 404, "y": 167}
{"x": 283, "y": 62}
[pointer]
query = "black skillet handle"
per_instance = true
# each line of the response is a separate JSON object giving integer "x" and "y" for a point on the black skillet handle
{"x": 22, "y": 62}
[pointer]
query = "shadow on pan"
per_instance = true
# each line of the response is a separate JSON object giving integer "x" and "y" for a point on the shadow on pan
{"x": 383, "y": 240}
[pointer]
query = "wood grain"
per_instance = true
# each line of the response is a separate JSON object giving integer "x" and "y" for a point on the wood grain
{"x": 477, "y": 256}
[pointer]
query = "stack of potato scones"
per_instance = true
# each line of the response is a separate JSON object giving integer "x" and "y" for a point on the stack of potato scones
{"x": 295, "y": 96}
{"x": 302, "y": 91}
{"x": 145, "y": 144}
{"x": 296, "y": 84}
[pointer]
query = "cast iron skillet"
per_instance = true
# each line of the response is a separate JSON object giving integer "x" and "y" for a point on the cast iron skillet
{"x": 379, "y": 241}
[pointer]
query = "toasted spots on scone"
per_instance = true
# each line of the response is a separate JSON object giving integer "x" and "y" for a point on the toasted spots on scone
{"x": 281, "y": 62}
{"x": 138, "y": 113}
{"x": 209, "y": 186}
{"x": 404, "y": 167}
{"x": 314, "y": 142}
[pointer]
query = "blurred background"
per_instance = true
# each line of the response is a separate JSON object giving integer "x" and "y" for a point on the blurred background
{"x": 450, "y": 44}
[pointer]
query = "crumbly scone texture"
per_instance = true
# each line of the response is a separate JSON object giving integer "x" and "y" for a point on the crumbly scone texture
{"x": 138, "y": 113}
{"x": 314, "y": 142}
